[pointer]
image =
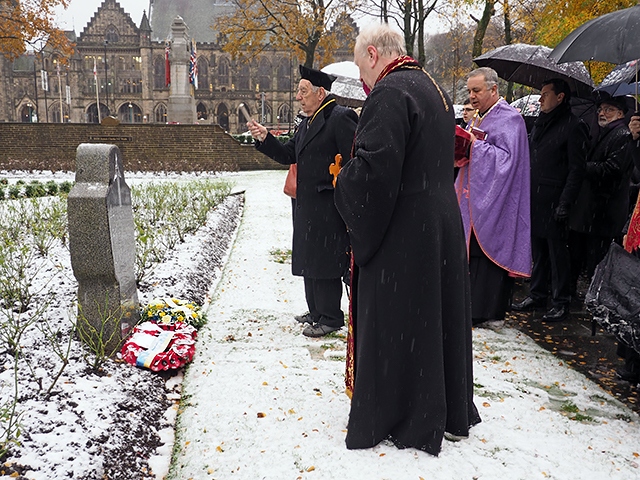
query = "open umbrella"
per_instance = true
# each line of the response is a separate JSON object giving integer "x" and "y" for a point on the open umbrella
{"x": 347, "y": 87}
{"x": 613, "y": 37}
{"x": 623, "y": 80}
{"x": 529, "y": 65}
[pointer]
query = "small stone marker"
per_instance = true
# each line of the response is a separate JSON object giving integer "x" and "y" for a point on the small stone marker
{"x": 102, "y": 247}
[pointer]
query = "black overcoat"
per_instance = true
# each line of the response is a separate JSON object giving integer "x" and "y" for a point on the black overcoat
{"x": 320, "y": 240}
{"x": 413, "y": 358}
{"x": 558, "y": 148}
{"x": 602, "y": 206}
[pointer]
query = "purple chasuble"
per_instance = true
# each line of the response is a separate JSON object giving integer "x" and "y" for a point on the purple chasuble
{"x": 493, "y": 190}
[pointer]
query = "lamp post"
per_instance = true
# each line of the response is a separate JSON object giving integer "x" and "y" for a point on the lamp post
{"x": 29, "y": 106}
{"x": 106, "y": 75}
{"x": 130, "y": 113}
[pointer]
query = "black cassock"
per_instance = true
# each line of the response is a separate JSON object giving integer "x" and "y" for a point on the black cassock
{"x": 413, "y": 346}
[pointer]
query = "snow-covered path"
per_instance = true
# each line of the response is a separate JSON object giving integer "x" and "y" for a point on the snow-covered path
{"x": 261, "y": 401}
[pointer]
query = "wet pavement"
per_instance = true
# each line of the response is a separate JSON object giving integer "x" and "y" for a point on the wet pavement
{"x": 572, "y": 341}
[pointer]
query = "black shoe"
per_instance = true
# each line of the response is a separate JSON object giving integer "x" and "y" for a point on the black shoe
{"x": 306, "y": 318}
{"x": 527, "y": 305}
{"x": 556, "y": 314}
{"x": 316, "y": 330}
{"x": 628, "y": 375}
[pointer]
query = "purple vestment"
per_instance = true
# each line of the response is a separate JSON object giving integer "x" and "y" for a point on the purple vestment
{"x": 493, "y": 190}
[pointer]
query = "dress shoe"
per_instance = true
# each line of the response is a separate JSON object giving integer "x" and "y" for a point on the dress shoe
{"x": 306, "y": 318}
{"x": 527, "y": 305}
{"x": 556, "y": 314}
{"x": 316, "y": 330}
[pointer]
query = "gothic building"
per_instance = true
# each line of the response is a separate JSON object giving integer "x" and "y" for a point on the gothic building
{"x": 120, "y": 66}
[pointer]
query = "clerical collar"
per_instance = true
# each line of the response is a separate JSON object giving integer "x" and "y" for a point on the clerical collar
{"x": 478, "y": 117}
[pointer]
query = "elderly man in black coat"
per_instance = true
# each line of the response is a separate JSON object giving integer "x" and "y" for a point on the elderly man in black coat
{"x": 411, "y": 352}
{"x": 602, "y": 207}
{"x": 320, "y": 240}
{"x": 558, "y": 147}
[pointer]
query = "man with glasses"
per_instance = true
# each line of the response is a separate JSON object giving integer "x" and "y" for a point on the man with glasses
{"x": 320, "y": 239}
{"x": 467, "y": 113}
{"x": 601, "y": 209}
{"x": 558, "y": 148}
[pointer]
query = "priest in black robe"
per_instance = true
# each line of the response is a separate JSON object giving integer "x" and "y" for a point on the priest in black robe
{"x": 409, "y": 368}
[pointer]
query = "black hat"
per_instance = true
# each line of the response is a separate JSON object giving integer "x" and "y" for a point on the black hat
{"x": 617, "y": 102}
{"x": 317, "y": 78}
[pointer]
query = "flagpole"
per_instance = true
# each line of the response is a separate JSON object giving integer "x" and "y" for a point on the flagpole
{"x": 95, "y": 77}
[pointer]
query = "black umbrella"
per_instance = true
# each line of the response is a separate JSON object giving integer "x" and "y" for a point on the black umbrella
{"x": 613, "y": 38}
{"x": 529, "y": 65}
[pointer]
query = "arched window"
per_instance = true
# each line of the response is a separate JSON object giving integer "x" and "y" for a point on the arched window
{"x": 201, "y": 111}
{"x": 266, "y": 113}
{"x": 160, "y": 115}
{"x": 203, "y": 73}
{"x": 284, "y": 75}
{"x": 92, "y": 112}
{"x": 222, "y": 116}
{"x": 243, "y": 77}
{"x": 264, "y": 75}
{"x": 28, "y": 113}
{"x": 55, "y": 113}
{"x": 242, "y": 120}
{"x": 111, "y": 35}
{"x": 130, "y": 113}
{"x": 158, "y": 72}
{"x": 284, "y": 115}
{"x": 223, "y": 72}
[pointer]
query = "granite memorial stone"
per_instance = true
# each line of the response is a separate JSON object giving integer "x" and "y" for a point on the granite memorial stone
{"x": 102, "y": 246}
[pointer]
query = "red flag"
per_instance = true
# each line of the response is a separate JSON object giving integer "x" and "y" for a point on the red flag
{"x": 167, "y": 66}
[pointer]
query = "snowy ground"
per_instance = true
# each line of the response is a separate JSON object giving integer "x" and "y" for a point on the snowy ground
{"x": 261, "y": 401}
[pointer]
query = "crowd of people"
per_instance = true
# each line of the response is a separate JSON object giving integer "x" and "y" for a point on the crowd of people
{"x": 430, "y": 250}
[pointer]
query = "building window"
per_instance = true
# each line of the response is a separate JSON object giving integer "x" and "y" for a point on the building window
{"x": 201, "y": 110}
{"x": 136, "y": 63}
{"x": 222, "y": 116}
{"x": 161, "y": 113}
{"x": 112, "y": 34}
{"x": 243, "y": 77}
{"x": 92, "y": 112}
{"x": 130, "y": 113}
{"x": 284, "y": 75}
{"x": 284, "y": 114}
{"x": 203, "y": 74}
{"x": 223, "y": 72}
{"x": 159, "y": 72}
{"x": 264, "y": 75}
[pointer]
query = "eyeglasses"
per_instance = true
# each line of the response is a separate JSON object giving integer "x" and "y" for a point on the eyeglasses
{"x": 467, "y": 109}
{"x": 607, "y": 109}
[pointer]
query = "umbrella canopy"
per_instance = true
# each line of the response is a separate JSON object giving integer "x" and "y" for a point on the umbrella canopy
{"x": 528, "y": 106}
{"x": 529, "y": 65}
{"x": 613, "y": 38}
{"x": 347, "y": 87}
{"x": 623, "y": 80}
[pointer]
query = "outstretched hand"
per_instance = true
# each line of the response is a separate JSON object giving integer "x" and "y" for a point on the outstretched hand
{"x": 258, "y": 131}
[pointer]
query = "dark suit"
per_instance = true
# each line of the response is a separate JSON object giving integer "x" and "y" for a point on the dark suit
{"x": 601, "y": 209}
{"x": 320, "y": 240}
{"x": 558, "y": 147}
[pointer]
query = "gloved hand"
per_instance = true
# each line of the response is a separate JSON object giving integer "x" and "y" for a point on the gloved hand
{"x": 561, "y": 213}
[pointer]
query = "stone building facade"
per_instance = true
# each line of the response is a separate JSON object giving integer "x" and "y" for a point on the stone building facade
{"x": 130, "y": 84}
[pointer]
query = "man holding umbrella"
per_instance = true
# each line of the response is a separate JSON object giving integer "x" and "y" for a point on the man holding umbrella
{"x": 558, "y": 147}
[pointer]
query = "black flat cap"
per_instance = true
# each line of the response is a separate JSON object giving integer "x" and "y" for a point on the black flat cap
{"x": 317, "y": 78}
{"x": 617, "y": 102}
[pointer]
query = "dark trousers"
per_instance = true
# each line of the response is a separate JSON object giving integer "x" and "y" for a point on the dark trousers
{"x": 551, "y": 262}
{"x": 323, "y": 299}
{"x": 586, "y": 252}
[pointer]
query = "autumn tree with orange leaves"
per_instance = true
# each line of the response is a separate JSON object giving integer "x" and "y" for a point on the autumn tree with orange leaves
{"x": 310, "y": 29}
{"x": 26, "y": 23}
